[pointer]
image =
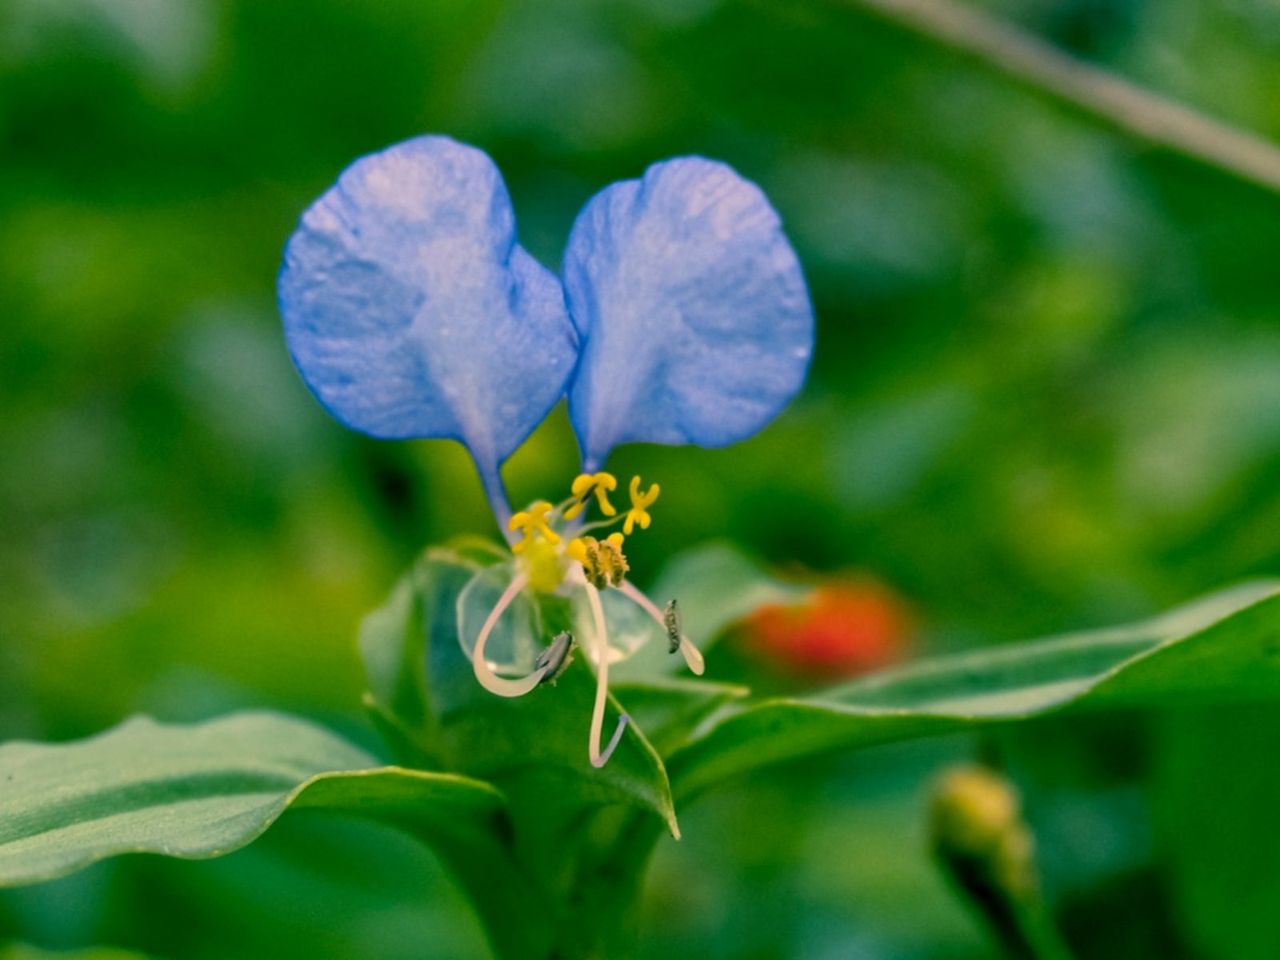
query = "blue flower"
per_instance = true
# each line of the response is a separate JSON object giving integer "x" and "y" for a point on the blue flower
{"x": 411, "y": 311}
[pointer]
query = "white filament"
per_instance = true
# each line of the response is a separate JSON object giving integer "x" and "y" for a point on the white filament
{"x": 692, "y": 655}
{"x": 600, "y": 757}
{"x": 484, "y": 673}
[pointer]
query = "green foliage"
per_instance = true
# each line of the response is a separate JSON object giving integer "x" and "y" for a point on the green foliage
{"x": 1220, "y": 649}
{"x": 1208, "y": 774}
{"x": 1044, "y": 396}
{"x": 206, "y": 790}
{"x": 571, "y": 841}
{"x": 669, "y": 710}
{"x": 203, "y": 791}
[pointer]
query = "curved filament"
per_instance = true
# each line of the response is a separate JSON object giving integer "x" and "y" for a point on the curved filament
{"x": 484, "y": 673}
{"x": 600, "y": 757}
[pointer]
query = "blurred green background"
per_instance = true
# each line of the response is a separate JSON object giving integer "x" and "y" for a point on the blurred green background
{"x": 1046, "y": 395}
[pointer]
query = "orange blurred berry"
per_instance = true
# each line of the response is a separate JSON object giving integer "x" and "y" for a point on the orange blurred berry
{"x": 846, "y": 627}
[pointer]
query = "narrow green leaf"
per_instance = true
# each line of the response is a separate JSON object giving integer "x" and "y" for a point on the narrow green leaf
{"x": 1224, "y": 648}
{"x": 669, "y": 710}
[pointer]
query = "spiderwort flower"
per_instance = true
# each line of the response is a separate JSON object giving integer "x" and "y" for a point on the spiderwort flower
{"x": 411, "y": 311}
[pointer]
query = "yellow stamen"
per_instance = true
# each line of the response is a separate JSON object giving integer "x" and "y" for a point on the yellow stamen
{"x": 586, "y": 484}
{"x": 533, "y": 524}
{"x": 602, "y": 561}
{"x": 640, "y": 502}
{"x": 577, "y": 549}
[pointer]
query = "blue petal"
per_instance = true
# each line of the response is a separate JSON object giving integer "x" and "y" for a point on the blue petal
{"x": 411, "y": 311}
{"x": 696, "y": 322}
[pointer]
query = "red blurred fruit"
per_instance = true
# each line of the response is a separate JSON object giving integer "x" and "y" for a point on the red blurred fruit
{"x": 845, "y": 627}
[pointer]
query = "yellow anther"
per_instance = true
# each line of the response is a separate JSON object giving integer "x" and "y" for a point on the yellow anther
{"x": 586, "y": 484}
{"x": 533, "y": 524}
{"x": 640, "y": 503}
{"x": 577, "y": 549}
{"x": 602, "y": 560}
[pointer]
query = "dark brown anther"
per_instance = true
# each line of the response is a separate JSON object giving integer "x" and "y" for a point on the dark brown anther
{"x": 671, "y": 620}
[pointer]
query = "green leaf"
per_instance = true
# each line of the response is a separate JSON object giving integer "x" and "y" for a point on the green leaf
{"x": 669, "y": 710}
{"x": 1221, "y": 874}
{"x": 196, "y": 791}
{"x": 1223, "y": 648}
{"x": 204, "y": 790}
{"x": 716, "y": 585}
{"x": 393, "y": 644}
{"x": 393, "y": 647}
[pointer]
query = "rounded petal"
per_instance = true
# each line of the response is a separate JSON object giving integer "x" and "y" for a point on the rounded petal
{"x": 410, "y": 309}
{"x": 695, "y": 318}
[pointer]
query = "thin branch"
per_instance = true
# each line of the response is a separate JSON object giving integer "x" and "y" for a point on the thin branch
{"x": 1104, "y": 96}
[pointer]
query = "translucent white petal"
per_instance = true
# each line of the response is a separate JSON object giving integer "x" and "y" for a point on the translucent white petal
{"x": 628, "y": 626}
{"x": 515, "y": 641}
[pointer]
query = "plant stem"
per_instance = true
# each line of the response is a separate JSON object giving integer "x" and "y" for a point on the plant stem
{"x": 608, "y": 882}
{"x": 514, "y": 910}
{"x": 1021, "y": 924}
{"x": 495, "y": 492}
{"x": 1110, "y": 99}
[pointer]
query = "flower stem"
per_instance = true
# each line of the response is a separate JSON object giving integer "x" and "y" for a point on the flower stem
{"x": 495, "y": 492}
{"x": 982, "y": 842}
{"x": 1108, "y": 98}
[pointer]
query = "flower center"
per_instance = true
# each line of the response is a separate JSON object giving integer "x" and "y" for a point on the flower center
{"x": 545, "y": 555}
{"x": 602, "y": 561}
{"x": 555, "y": 550}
